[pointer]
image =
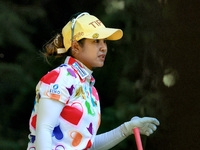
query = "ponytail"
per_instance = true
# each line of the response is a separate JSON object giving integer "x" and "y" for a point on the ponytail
{"x": 53, "y": 45}
{"x": 51, "y": 48}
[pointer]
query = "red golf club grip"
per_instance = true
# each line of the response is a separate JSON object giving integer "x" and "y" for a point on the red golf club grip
{"x": 138, "y": 138}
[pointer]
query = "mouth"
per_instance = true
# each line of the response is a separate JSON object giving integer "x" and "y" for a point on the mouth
{"x": 102, "y": 57}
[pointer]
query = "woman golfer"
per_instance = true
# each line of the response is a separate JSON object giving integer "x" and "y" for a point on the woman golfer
{"x": 66, "y": 114}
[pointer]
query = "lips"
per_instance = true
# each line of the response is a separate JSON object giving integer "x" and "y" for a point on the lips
{"x": 102, "y": 57}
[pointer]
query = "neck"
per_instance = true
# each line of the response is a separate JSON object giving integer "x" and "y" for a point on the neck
{"x": 87, "y": 69}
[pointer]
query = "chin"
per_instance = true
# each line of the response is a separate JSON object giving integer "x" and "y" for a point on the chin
{"x": 99, "y": 65}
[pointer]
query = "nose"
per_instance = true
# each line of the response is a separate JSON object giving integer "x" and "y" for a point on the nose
{"x": 103, "y": 46}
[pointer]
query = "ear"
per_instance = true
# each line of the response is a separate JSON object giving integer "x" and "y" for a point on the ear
{"x": 75, "y": 47}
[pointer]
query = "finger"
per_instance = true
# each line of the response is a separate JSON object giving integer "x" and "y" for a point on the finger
{"x": 149, "y": 131}
{"x": 156, "y": 122}
{"x": 151, "y": 120}
{"x": 152, "y": 126}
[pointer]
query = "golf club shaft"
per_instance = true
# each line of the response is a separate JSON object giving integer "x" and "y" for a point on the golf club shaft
{"x": 138, "y": 138}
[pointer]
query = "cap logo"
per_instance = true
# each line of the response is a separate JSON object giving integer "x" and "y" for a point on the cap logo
{"x": 78, "y": 35}
{"x": 95, "y": 35}
{"x": 96, "y": 23}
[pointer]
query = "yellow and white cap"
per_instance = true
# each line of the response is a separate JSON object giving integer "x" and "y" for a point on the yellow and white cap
{"x": 87, "y": 26}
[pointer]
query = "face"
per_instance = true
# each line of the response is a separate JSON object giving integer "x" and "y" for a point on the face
{"x": 92, "y": 53}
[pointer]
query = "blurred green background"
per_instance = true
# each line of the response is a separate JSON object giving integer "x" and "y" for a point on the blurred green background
{"x": 160, "y": 42}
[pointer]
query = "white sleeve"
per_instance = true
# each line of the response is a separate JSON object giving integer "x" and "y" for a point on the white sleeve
{"x": 108, "y": 140}
{"x": 48, "y": 112}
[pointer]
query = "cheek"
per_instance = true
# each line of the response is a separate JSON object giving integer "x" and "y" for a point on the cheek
{"x": 92, "y": 53}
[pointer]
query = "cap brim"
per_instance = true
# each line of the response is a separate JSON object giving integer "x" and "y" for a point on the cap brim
{"x": 106, "y": 33}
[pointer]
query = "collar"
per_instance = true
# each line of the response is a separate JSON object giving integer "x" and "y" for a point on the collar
{"x": 88, "y": 70}
{"x": 81, "y": 69}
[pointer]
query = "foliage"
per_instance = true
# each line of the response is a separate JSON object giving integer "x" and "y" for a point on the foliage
{"x": 20, "y": 68}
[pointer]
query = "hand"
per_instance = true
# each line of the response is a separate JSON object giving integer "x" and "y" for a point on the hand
{"x": 146, "y": 125}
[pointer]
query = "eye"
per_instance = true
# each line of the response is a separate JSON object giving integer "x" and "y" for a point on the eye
{"x": 96, "y": 41}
